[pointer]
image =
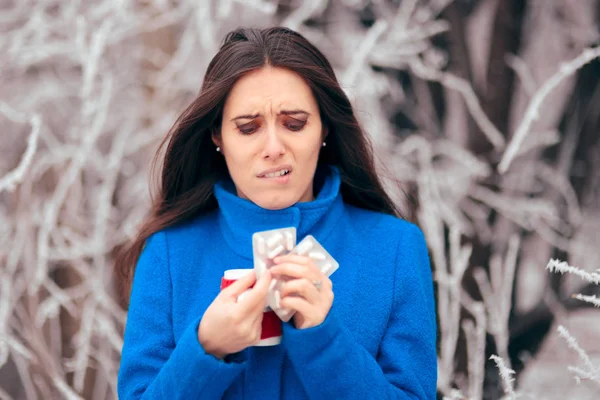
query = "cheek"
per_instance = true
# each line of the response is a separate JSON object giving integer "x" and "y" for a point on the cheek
{"x": 237, "y": 151}
{"x": 310, "y": 144}
{"x": 236, "y": 158}
{"x": 310, "y": 150}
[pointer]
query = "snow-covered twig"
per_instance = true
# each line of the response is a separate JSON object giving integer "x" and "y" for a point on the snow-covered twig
{"x": 475, "y": 336}
{"x": 450, "y": 289}
{"x": 405, "y": 11}
{"x": 533, "y": 110}
{"x": 506, "y": 375}
{"x": 523, "y": 72}
{"x": 497, "y": 295}
{"x": 308, "y": 9}
{"x": 362, "y": 52}
{"x": 466, "y": 90}
{"x": 13, "y": 178}
{"x": 563, "y": 267}
{"x": 588, "y": 299}
{"x": 592, "y": 370}
{"x": 581, "y": 374}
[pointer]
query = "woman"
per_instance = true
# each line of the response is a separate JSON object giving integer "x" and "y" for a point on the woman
{"x": 272, "y": 142}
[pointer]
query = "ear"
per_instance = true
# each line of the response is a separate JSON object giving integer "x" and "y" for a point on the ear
{"x": 215, "y": 139}
{"x": 325, "y": 133}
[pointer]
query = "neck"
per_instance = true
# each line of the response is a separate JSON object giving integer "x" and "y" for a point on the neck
{"x": 239, "y": 218}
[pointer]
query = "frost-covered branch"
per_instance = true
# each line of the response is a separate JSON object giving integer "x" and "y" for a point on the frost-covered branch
{"x": 591, "y": 371}
{"x": 588, "y": 299}
{"x": 506, "y": 374}
{"x": 11, "y": 179}
{"x": 458, "y": 84}
{"x": 533, "y": 110}
{"x": 563, "y": 267}
{"x": 98, "y": 85}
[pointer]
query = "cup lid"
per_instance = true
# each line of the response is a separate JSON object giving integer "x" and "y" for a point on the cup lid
{"x": 233, "y": 274}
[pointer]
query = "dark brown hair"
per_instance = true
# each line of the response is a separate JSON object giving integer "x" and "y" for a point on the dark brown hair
{"x": 191, "y": 166}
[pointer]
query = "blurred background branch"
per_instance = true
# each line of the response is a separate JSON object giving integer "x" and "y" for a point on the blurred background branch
{"x": 486, "y": 111}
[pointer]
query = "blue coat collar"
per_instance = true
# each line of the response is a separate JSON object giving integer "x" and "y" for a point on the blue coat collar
{"x": 240, "y": 218}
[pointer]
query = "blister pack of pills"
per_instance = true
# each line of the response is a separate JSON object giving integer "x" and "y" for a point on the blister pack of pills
{"x": 310, "y": 247}
{"x": 267, "y": 245}
{"x": 274, "y": 298}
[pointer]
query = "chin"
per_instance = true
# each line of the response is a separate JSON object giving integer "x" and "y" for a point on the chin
{"x": 275, "y": 202}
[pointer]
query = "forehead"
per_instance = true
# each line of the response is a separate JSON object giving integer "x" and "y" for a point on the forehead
{"x": 269, "y": 88}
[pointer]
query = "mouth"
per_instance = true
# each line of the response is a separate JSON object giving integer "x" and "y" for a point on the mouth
{"x": 278, "y": 174}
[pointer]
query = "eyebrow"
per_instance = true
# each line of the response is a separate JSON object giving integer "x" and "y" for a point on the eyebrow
{"x": 283, "y": 112}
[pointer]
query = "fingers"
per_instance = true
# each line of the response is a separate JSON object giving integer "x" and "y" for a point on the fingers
{"x": 301, "y": 287}
{"x": 296, "y": 271}
{"x": 239, "y": 286}
{"x": 293, "y": 258}
{"x": 298, "y": 304}
{"x": 255, "y": 298}
{"x": 296, "y": 266}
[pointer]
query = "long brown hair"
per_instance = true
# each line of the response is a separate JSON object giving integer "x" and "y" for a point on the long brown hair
{"x": 191, "y": 165}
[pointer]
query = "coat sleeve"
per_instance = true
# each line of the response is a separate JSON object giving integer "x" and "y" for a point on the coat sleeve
{"x": 331, "y": 364}
{"x": 154, "y": 365}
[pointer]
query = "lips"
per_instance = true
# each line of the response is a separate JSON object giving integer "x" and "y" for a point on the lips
{"x": 276, "y": 172}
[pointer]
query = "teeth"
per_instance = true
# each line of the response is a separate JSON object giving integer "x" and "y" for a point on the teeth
{"x": 276, "y": 174}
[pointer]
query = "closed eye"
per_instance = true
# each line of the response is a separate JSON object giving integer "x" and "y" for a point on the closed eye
{"x": 295, "y": 126}
{"x": 251, "y": 127}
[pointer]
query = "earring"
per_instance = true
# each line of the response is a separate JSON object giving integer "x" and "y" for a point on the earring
{"x": 324, "y": 144}
{"x": 218, "y": 149}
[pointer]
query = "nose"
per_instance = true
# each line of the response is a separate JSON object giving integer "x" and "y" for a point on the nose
{"x": 274, "y": 146}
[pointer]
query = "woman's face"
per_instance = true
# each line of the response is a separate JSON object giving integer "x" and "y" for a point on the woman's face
{"x": 271, "y": 135}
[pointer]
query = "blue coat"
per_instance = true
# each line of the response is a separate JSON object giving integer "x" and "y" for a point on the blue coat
{"x": 378, "y": 341}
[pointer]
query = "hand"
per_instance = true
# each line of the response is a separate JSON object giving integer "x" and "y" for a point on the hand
{"x": 230, "y": 324}
{"x": 312, "y": 305}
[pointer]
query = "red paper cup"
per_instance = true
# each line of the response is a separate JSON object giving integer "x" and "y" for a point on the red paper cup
{"x": 271, "y": 324}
